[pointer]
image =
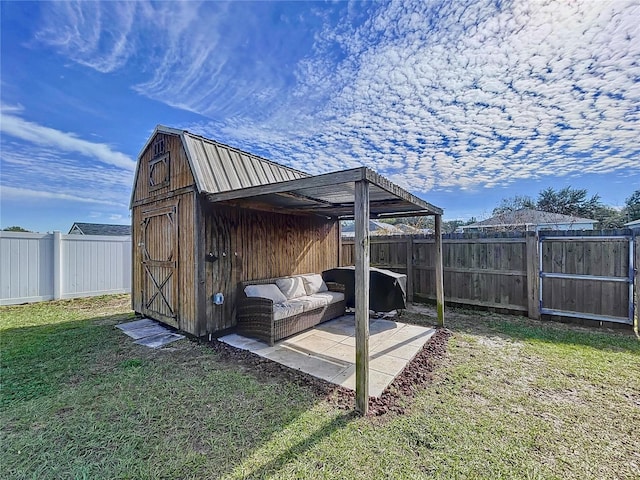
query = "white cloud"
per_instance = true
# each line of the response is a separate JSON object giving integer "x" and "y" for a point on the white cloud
{"x": 80, "y": 30}
{"x": 41, "y": 164}
{"x": 48, "y": 170}
{"x": 11, "y": 108}
{"x": 434, "y": 95}
{"x": 25, "y": 194}
{"x": 17, "y": 127}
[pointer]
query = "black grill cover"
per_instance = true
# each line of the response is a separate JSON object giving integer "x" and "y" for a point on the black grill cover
{"x": 387, "y": 289}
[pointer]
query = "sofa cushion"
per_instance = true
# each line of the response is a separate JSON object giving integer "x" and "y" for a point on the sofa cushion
{"x": 310, "y": 303}
{"x": 269, "y": 290}
{"x": 286, "y": 309}
{"x": 314, "y": 283}
{"x": 328, "y": 297}
{"x": 291, "y": 287}
{"x": 299, "y": 302}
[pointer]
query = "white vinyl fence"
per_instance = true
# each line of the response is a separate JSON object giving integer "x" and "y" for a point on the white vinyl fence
{"x": 36, "y": 267}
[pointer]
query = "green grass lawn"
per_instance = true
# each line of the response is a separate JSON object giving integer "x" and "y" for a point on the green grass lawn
{"x": 514, "y": 398}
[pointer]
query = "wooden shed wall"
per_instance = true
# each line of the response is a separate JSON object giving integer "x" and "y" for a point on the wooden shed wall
{"x": 168, "y": 239}
{"x": 254, "y": 245}
{"x": 180, "y": 175}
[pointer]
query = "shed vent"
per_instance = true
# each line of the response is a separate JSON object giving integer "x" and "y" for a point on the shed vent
{"x": 159, "y": 145}
{"x": 159, "y": 164}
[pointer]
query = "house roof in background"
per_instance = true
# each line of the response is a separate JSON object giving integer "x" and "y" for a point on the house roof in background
{"x": 375, "y": 227}
{"x": 382, "y": 228}
{"x": 529, "y": 216}
{"x": 100, "y": 229}
{"x": 634, "y": 224}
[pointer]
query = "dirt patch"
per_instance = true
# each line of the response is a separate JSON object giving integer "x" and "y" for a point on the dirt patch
{"x": 395, "y": 399}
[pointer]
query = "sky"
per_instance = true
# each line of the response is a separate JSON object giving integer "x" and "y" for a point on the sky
{"x": 461, "y": 103}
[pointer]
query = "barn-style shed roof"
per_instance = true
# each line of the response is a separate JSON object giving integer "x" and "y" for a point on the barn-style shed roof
{"x": 229, "y": 175}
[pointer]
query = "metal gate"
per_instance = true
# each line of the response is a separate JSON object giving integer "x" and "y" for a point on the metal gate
{"x": 585, "y": 276}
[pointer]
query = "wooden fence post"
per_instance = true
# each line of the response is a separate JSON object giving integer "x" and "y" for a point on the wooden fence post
{"x": 57, "y": 265}
{"x": 636, "y": 285}
{"x": 340, "y": 246}
{"x": 439, "y": 271}
{"x": 533, "y": 275}
{"x": 410, "y": 269}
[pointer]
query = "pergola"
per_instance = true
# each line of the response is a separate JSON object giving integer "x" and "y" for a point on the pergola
{"x": 358, "y": 194}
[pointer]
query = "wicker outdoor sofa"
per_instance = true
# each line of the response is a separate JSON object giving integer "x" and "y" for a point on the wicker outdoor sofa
{"x": 275, "y": 308}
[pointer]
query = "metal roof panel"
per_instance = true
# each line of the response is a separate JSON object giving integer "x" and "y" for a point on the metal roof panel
{"x": 220, "y": 168}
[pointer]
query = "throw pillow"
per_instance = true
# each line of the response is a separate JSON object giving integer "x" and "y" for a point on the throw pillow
{"x": 314, "y": 283}
{"x": 291, "y": 287}
{"x": 269, "y": 290}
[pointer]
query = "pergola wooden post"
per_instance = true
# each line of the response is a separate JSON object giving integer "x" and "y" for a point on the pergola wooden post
{"x": 361, "y": 217}
{"x": 439, "y": 271}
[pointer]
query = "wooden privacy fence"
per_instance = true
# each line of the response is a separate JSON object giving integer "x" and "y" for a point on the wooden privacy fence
{"x": 36, "y": 267}
{"x": 589, "y": 275}
{"x": 504, "y": 271}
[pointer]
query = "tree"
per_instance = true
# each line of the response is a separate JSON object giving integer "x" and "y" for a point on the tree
{"x": 632, "y": 207}
{"x": 569, "y": 201}
{"x": 15, "y": 228}
{"x": 609, "y": 218}
{"x": 512, "y": 204}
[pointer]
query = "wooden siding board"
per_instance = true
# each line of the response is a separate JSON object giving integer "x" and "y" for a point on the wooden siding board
{"x": 187, "y": 272}
{"x": 201, "y": 264}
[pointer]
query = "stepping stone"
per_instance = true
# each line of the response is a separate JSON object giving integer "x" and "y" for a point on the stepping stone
{"x": 160, "y": 340}
{"x": 145, "y": 322}
{"x": 149, "y": 333}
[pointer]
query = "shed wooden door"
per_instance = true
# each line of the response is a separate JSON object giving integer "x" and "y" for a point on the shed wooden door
{"x": 159, "y": 264}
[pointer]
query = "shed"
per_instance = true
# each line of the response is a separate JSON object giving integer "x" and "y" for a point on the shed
{"x": 206, "y": 216}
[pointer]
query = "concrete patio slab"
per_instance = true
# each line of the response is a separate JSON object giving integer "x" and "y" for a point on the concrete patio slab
{"x": 327, "y": 351}
{"x": 378, "y": 381}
